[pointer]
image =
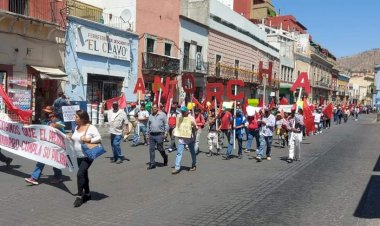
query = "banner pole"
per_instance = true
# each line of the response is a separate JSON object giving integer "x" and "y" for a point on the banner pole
{"x": 234, "y": 132}
{"x": 160, "y": 93}
{"x": 216, "y": 122}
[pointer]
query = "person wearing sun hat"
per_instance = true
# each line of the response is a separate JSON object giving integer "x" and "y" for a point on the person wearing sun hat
{"x": 182, "y": 142}
{"x": 55, "y": 122}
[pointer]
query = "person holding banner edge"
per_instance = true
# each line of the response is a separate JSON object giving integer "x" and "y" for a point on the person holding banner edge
{"x": 52, "y": 121}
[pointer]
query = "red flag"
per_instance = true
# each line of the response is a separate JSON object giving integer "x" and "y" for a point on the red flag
{"x": 284, "y": 101}
{"x": 328, "y": 111}
{"x": 199, "y": 105}
{"x": 260, "y": 102}
{"x": 24, "y": 116}
{"x": 312, "y": 107}
{"x": 121, "y": 100}
{"x": 308, "y": 117}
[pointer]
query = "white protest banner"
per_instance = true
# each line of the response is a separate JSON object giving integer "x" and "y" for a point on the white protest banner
{"x": 285, "y": 108}
{"x": 69, "y": 113}
{"x": 251, "y": 111}
{"x": 40, "y": 143}
{"x": 183, "y": 127}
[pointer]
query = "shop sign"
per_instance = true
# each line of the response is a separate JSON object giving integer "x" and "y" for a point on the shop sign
{"x": 102, "y": 44}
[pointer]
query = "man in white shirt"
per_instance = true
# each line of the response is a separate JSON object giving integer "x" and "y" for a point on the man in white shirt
{"x": 142, "y": 118}
{"x": 117, "y": 119}
{"x": 317, "y": 121}
{"x": 266, "y": 135}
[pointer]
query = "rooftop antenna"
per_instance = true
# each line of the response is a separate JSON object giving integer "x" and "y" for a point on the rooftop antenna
{"x": 126, "y": 16}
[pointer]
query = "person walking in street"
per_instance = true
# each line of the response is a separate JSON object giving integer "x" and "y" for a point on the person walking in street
{"x": 225, "y": 126}
{"x": 157, "y": 129}
{"x": 253, "y": 133}
{"x": 58, "y": 103}
{"x": 142, "y": 118}
{"x": 212, "y": 136}
{"x": 190, "y": 142}
{"x": 296, "y": 135}
{"x": 200, "y": 120}
{"x": 118, "y": 123}
{"x": 339, "y": 114}
{"x": 55, "y": 122}
{"x": 239, "y": 128}
{"x": 266, "y": 135}
{"x": 83, "y": 133}
{"x": 5, "y": 159}
{"x": 172, "y": 121}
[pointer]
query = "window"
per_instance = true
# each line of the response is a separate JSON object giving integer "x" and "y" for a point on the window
{"x": 18, "y": 6}
{"x": 236, "y": 68}
{"x": 150, "y": 45}
{"x": 186, "y": 55}
{"x": 168, "y": 49}
{"x": 218, "y": 58}
{"x": 199, "y": 49}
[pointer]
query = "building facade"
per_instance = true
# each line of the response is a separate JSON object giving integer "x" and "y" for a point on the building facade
{"x": 321, "y": 67}
{"x": 101, "y": 63}
{"x": 341, "y": 90}
{"x": 361, "y": 83}
{"x": 31, "y": 54}
{"x": 194, "y": 54}
{"x": 236, "y": 48}
{"x": 158, "y": 25}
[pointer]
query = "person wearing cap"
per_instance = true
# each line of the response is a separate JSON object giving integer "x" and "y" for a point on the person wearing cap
{"x": 267, "y": 125}
{"x": 157, "y": 129}
{"x": 55, "y": 122}
{"x": 118, "y": 123}
{"x": 296, "y": 137}
{"x": 190, "y": 142}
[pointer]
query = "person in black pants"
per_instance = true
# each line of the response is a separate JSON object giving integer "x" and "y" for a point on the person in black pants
{"x": 89, "y": 134}
{"x": 5, "y": 159}
{"x": 158, "y": 130}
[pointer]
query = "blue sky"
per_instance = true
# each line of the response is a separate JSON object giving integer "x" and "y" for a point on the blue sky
{"x": 344, "y": 27}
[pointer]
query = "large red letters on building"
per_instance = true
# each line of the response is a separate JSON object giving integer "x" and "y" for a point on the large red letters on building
{"x": 302, "y": 81}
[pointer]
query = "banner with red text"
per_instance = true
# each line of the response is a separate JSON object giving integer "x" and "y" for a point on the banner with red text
{"x": 39, "y": 143}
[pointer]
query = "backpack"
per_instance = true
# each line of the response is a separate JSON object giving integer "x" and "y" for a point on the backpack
{"x": 172, "y": 119}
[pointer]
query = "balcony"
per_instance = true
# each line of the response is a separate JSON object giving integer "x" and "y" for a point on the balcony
{"x": 85, "y": 11}
{"x": 44, "y": 10}
{"x": 160, "y": 65}
{"x": 193, "y": 65}
{"x": 227, "y": 72}
{"x": 322, "y": 84}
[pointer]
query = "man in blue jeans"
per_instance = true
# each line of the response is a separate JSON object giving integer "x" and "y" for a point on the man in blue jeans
{"x": 266, "y": 134}
{"x": 117, "y": 119}
{"x": 142, "y": 118}
{"x": 190, "y": 142}
{"x": 239, "y": 133}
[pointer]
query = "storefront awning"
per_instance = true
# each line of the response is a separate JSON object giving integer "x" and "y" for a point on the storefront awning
{"x": 51, "y": 73}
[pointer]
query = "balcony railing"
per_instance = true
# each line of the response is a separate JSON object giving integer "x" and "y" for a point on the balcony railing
{"x": 46, "y": 10}
{"x": 160, "y": 64}
{"x": 85, "y": 11}
{"x": 229, "y": 72}
{"x": 193, "y": 65}
{"x": 322, "y": 84}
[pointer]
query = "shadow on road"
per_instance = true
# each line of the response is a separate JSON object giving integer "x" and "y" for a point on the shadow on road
{"x": 377, "y": 166}
{"x": 369, "y": 205}
{"x": 12, "y": 171}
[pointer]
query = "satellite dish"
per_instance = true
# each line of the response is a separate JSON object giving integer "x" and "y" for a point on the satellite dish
{"x": 126, "y": 15}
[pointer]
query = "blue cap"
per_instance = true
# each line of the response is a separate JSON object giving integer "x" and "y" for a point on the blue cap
{"x": 184, "y": 109}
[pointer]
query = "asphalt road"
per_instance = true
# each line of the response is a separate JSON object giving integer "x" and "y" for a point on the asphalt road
{"x": 336, "y": 182}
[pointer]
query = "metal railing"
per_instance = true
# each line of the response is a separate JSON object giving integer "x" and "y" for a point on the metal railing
{"x": 46, "y": 10}
{"x": 83, "y": 10}
{"x": 159, "y": 63}
{"x": 192, "y": 65}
